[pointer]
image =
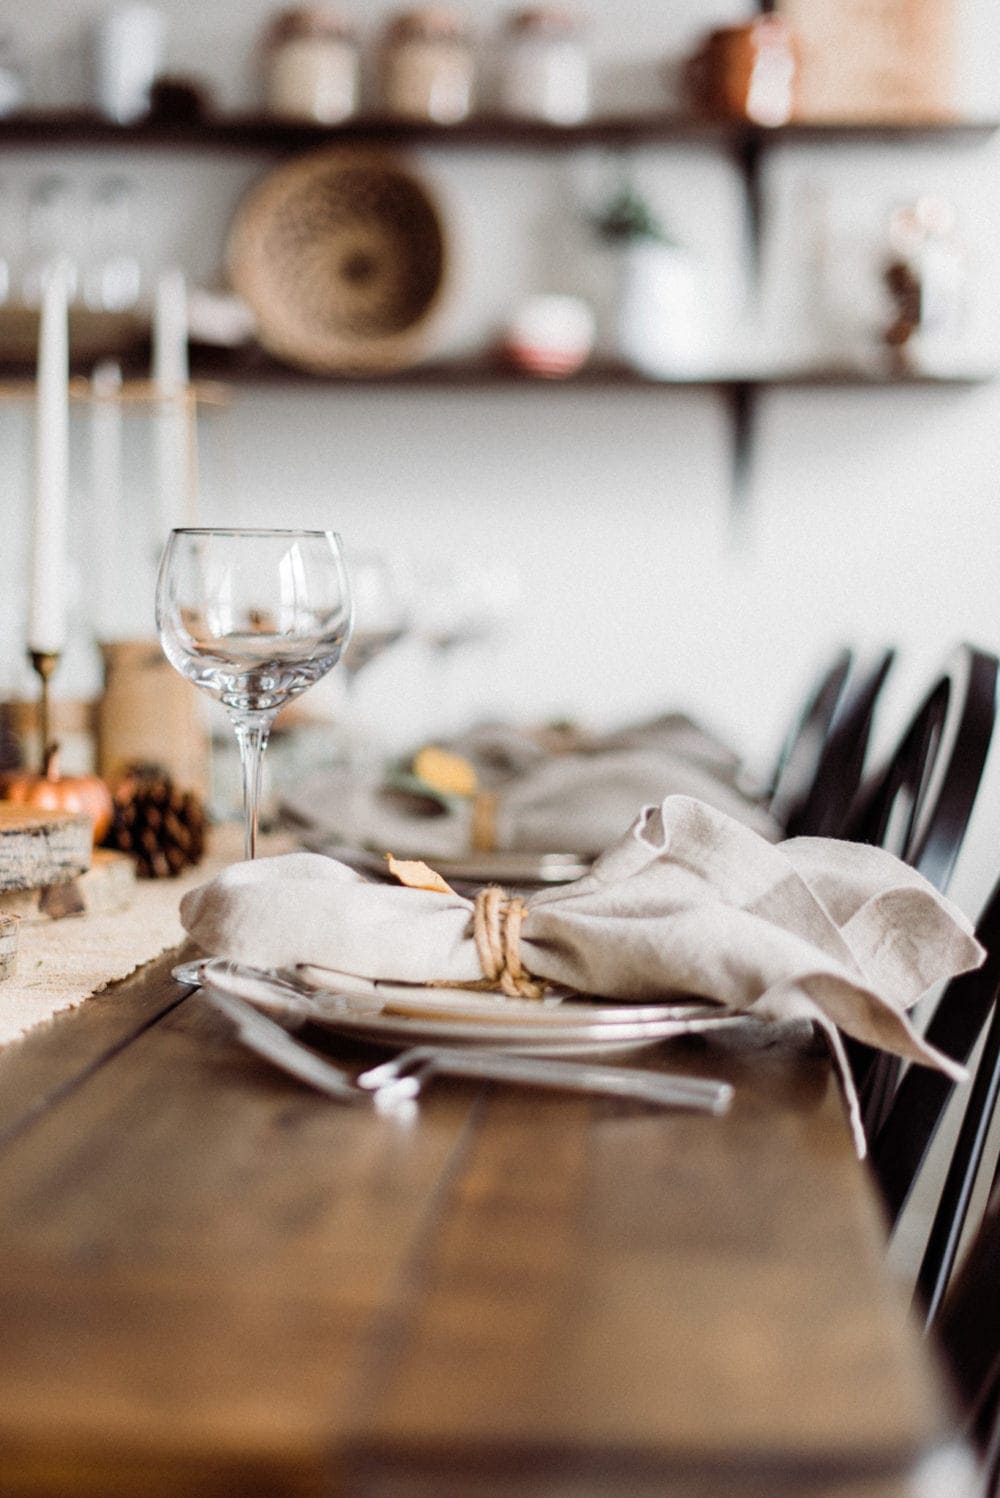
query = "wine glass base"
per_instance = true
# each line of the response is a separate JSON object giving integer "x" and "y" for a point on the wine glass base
{"x": 188, "y": 973}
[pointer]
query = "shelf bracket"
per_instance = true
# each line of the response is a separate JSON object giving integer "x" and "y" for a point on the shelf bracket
{"x": 741, "y": 398}
{"x": 747, "y": 152}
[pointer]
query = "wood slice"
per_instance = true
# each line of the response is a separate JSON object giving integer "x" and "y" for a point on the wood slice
{"x": 106, "y": 887}
{"x": 8, "y": 945}
{"x": 39, "y": 848}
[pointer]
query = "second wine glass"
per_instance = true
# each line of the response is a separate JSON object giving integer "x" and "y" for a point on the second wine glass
{"x": 254, "y": 617}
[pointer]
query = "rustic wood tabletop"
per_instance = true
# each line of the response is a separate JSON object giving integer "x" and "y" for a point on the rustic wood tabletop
{"x": 214, "y": 1281}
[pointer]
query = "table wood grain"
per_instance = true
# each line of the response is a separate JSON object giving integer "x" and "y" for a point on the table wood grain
{"x": 215, "y": 1282}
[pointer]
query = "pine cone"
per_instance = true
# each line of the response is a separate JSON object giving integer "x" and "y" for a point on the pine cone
{"x": 161, "y": 826}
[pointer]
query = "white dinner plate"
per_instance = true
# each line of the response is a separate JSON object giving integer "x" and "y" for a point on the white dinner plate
{"x": 405, "y": 1015}
{"x": 474, "y": 868}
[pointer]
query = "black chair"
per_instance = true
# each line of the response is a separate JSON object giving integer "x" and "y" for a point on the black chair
{"x": 919, "y": 802}
{"x": 960, "y": 1181}
{"x": 967, "y": 1331}
{"x": 918, "y": 805}
{"x": 898, "y": 1149}
{"x": 802, "y": 748}
{"x": 824, "y": 809}
{"x": 961, "y": 1309}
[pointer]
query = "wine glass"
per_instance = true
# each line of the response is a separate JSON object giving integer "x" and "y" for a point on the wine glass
{"x": 464, "y": 602}
{"x": 381, "y": 618}
{"x": 255, "y": 617}
{"x": 381, "y": 608}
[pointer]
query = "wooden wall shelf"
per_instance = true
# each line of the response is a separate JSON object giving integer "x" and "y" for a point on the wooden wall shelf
{"x": 745, "y": 144}
{"x": 253, "y": 132}
{"x": 253, "y": 366}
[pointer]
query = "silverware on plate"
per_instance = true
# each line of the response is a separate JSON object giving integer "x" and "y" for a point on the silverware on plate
{"x": 409, "y": 1072}
{"x": 421, "y": 1063}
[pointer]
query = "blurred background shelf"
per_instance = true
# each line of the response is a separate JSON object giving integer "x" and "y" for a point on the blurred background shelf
{"x": 254, "y": 132}
{"x": 253, "y": 365}
{"x": 126, "y": 337}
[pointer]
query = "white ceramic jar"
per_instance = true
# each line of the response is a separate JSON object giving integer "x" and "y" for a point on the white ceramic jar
{"x": 312, "y": 67}
{"x": 427, "y": 66}
{"x": 660, "y": 320}
{"x": 544, "y": 71}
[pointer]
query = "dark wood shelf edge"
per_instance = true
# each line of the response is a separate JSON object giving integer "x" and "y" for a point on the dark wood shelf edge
{"x": 85, "y": 128}
{"x": 252, "y": 366}
{"x": 258, "y": 368}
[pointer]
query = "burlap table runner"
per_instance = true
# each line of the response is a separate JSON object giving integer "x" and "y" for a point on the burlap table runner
{"x": 61, "y": 963}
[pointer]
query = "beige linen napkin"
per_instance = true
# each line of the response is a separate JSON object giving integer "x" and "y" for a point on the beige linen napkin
{"x": 499, "y": 751}
{"x": 574, "y": 803}
{"x": 688, "y": 902}
{"x": 676, "y": 734}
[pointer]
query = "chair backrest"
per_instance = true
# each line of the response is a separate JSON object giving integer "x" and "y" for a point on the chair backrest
{"x": 802, "y": 747}
{"x": 918, "y": 805}
{"x": 920, "y": 801}
{"x": 967, "y": 1331}
{"x": 960, "y": 1181}
{"x": 899, "y": 1147}
{"x": 824, "y": 810}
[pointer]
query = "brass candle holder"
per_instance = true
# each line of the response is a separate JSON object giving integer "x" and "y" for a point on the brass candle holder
{"x": 44, "y": 662}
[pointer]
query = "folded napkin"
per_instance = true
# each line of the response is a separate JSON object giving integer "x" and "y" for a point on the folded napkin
{"x": 675, "y": 734}
{"x": 572, "y": 803}
{"x": 689, "y": 902}
{"x": 498, "y": 751}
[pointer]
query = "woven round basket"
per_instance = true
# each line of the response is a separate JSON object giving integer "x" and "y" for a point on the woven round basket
{"x": 341, "y": 255}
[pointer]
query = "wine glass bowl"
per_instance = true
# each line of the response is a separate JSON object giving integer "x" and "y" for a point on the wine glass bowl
{"x": 254, "y": 668}
{"x": 381, "y": 608}
{"x": 254, "y": 617}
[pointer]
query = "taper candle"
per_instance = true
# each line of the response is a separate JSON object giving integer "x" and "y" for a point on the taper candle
{"x": 106, "y": 491}
{"x": 47, "y": 584}
{"x": 170, "y": 377}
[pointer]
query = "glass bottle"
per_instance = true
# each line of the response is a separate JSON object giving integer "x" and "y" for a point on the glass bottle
{"x": 50, "y": 236}
{"x": 13, "y": 88}
{"x": 112, "y": 277}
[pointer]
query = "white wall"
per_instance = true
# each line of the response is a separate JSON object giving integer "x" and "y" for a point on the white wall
{"x": 873, "y": 513}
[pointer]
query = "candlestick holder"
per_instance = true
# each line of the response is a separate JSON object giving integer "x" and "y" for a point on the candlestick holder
{"x": 44, "y": 662}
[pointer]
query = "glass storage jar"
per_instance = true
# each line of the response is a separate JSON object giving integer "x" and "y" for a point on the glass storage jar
{"x": 427, "y": 66}
{"x": 544, "y": 72}
{"x": 312, "y": 66}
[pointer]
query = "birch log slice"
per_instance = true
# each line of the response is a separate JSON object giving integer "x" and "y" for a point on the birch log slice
{"x": 39, "y": 848}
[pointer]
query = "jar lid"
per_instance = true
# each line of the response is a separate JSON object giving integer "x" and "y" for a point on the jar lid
{"x": 548, "y": 20}
{"x": 428, "y": 23}
{"x": 766, "y": 30}
{"x": 324, "y": 21}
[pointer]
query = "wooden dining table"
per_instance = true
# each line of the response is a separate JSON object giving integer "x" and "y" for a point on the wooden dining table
{"x": 216, "y": 1281}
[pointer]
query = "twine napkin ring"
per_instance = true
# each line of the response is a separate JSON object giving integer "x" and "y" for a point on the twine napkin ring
{"x": 496, "y": 929}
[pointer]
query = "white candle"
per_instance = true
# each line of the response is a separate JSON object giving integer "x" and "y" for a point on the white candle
{"x": 173, "y": 465}
{"x": 170, "y": 332}
{"x": 47, "y": 589}
{"x": 105, "y": 492}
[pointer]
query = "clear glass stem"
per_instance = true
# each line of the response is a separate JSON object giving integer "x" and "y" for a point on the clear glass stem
{"x": 252, "y": 731}
{"x": 352, "y": 758}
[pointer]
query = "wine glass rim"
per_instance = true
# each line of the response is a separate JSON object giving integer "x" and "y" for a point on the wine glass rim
{"x": 249, "y": 530}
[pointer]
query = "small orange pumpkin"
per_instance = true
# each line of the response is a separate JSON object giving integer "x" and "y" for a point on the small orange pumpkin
{"x": 51, "y": 791}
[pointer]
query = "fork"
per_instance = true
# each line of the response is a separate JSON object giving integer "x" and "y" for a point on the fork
{"x": 422, "y": 1063}
{"x": 405, "y": 1076}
